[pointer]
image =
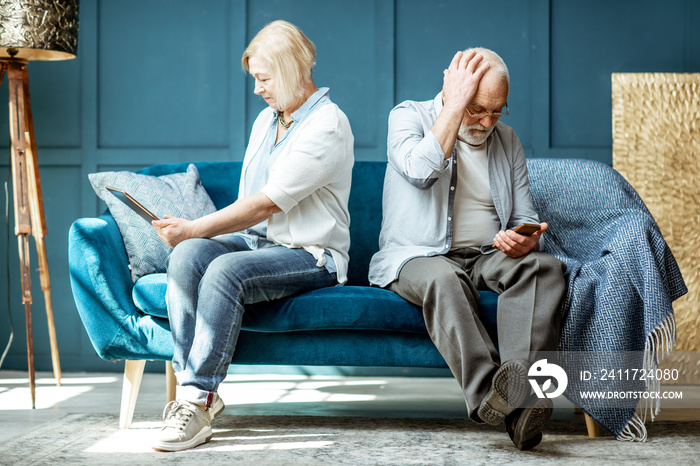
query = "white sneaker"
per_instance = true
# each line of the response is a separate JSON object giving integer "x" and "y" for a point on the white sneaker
{"x": 185, "y": 425}
{"x": 217, "y": 407}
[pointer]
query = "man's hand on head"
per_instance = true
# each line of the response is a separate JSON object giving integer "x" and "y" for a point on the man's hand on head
{"x": 461, "y": 79}
{"x": 514, "y": 244}
{"x": 460, "y": 83}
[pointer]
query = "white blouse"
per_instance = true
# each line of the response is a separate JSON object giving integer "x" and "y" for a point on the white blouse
{"x": 310, "y": 182}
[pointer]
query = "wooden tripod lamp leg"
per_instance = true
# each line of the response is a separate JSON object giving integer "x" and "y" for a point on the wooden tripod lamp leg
{"x": 29, "y": 206}
{"x": 23, "y": 226}
{"x": 23, "y": 247}
{"x": 39, "y": 222}
{"x": 39, "y": 231}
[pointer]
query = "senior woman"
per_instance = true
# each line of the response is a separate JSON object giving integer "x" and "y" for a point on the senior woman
{"x": 287, "y": 233}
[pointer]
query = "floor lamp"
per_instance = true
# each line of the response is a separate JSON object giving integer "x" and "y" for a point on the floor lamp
{"x": 32, "y": 30}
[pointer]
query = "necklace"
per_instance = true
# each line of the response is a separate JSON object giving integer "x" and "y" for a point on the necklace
{"x": 284, "y": 122}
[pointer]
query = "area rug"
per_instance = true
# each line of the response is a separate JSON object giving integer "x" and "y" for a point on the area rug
{"x": 306, "y": 440}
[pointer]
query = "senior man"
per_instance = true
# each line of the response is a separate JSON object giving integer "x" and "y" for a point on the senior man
{"x": 456, "y": 186}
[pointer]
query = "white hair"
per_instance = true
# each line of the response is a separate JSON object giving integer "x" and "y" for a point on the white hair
{"x": 497, "y": 65}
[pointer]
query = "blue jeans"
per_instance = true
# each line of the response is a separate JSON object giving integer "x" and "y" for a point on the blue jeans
{"x": 209, "y": 283}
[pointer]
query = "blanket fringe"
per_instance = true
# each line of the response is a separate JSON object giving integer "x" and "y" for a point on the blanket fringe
{"x": 634, "y": 431}
{"x": 659, "y": 344}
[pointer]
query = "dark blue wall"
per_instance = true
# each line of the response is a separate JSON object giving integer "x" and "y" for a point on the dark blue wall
{"x": 160, "y": 81}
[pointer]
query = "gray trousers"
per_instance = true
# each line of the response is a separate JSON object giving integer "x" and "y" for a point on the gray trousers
{"x": 530, "y": 290}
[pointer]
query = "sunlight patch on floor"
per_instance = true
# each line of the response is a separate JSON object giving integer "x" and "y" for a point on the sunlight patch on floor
{"x": 273, "y": 446}
{"x": 46, "y": 397}
{"x": 265, "y": 437}
{"x": 126, "y": 441}
{"x": 15, "y": 392}
{"x": 64, "y": 381}
{"x": 301, "y": 390}
{"x": 140, "y": 437}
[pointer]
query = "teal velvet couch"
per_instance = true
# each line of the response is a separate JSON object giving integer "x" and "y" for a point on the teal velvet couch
{"x": 351, "y": 325}
{"x": 621, "y": 279}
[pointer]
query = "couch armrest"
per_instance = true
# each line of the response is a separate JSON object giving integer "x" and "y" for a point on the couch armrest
{"x": 102, "y": 289}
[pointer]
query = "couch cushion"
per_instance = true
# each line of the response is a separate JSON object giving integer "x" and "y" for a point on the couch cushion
{"x": 332, "y": 308}
{"x": 149, "y": 294}
{"x": 338, "y": 307}
{"x": 220, "y": 179}
{"x": 177, "y": 194}
{"x": 365, "y": 206}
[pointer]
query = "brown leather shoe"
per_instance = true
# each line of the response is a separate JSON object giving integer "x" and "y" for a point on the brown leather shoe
{"x": 524, "y": 425}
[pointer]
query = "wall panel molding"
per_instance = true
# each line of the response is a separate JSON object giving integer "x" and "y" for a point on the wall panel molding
{"x": 166, "y": 82}
{"x": 355, "y": 59}
{"x": 641, "y": 36}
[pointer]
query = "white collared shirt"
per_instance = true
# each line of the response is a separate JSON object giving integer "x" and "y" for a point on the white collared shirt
{"x": 308, "y": 178}
{"x": 420, "y": 188}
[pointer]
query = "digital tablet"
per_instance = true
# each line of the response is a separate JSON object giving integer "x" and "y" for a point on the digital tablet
{"x": 132, "y": 203}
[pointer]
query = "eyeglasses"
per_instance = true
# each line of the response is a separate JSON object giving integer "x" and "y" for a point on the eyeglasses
{"x": 475, "y": 113}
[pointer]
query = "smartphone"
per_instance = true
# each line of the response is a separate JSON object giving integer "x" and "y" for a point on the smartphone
{"x": 526, "y": 229}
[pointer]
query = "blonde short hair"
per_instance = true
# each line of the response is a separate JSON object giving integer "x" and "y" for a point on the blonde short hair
{"x": 290, "y": 55}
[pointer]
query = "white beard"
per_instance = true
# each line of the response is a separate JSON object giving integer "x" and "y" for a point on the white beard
{"x": 474, "y": 138}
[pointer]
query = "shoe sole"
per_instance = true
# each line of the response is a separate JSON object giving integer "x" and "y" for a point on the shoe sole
{"x": 509, "y": 388}
{"x": 203, "y": 436}
{"x": 528, "y": 431}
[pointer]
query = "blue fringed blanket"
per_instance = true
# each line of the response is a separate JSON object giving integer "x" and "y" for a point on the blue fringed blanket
{"x": 622, "y": 279}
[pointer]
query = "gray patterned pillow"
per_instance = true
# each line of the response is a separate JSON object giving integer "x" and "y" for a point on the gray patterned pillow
{"x": 179, "y": 195}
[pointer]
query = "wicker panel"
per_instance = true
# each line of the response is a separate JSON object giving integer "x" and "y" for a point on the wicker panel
{"x": 656, "y": 147}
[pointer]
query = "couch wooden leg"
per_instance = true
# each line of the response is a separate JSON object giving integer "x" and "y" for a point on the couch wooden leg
{"x": 170, "y": 382}
{"x": 133, "y": 373}
{"x": 592, "y": 427}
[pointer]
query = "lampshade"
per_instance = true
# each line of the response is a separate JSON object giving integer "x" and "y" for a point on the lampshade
{"x": 38, "y": 29}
